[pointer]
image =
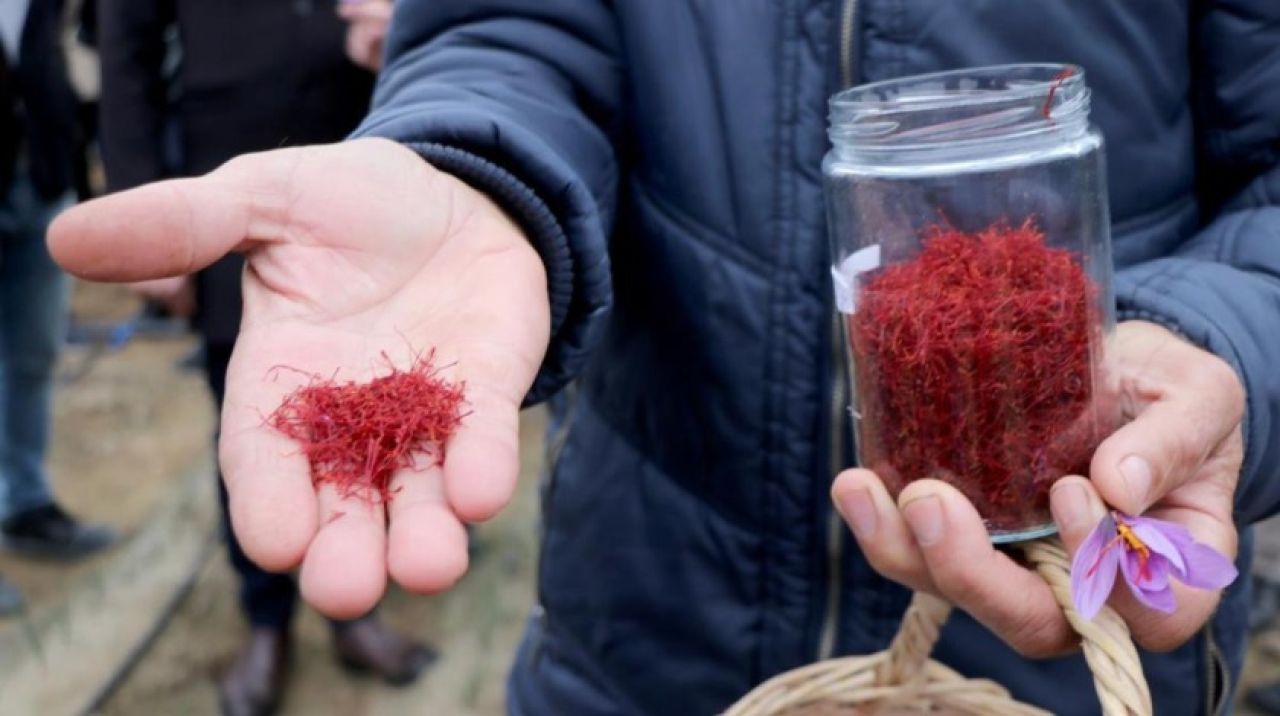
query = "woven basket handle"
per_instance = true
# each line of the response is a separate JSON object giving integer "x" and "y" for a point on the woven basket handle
{"x": 1108, "y": 648}
{"x": 914, "y": 641}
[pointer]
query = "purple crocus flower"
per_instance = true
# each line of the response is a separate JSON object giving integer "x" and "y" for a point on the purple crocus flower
{"x": 1147, "y": 552}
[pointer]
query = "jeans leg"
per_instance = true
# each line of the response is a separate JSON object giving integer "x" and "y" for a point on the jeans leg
{"x": 33, "y": 312}
{"x": 267, "y": 599}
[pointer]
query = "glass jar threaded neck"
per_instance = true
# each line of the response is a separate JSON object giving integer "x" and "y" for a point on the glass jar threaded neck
{"x": 960, "y": 113}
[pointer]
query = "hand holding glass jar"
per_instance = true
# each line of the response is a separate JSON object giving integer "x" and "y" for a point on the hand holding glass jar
{"x": 972, "y": 265}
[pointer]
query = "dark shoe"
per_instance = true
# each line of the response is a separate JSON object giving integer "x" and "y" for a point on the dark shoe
{"x": 11, "y": 601}
{"x": 369, "y": 646}
{"x": 254, "y": 685}
{"x": 1265, "y": 698}
{"x": 51, "y": 533}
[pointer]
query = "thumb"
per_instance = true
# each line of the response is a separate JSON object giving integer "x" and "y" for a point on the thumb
{"x": 171, "y": 227}
{"x": 1162, "y": 448}
{"x": 1077, "y": 509}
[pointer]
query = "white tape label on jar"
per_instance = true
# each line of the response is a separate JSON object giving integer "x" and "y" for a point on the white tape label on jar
{"x": 844, "y": 278}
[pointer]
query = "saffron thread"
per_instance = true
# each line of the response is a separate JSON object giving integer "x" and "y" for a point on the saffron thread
{"x": 973, "y": 366}
{"x": 1058, "y": 79}
{"x": 358, "y": 436}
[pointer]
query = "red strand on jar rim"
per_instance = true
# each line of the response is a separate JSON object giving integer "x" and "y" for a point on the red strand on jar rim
{"x": 974, "y": 365}
{"x": 1058, "y": 79}
{"x": 357, "y": 436}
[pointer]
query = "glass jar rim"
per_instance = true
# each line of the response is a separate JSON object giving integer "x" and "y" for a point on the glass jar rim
{"x": 962, "y": 108}
{"x": 1035, "y": 80}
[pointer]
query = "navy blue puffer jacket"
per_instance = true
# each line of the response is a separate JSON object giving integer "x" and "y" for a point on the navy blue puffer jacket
{"x": 663, "y": 155}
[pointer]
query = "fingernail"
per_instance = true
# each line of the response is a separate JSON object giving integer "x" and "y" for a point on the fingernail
{"x": 1137, "y": 478}
{"x": 1071, "y": 508}
{"x": 924, "y": 516}
{"x": 860, "y": 511}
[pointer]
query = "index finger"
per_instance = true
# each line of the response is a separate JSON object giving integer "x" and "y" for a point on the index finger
{"x": 1010, "y": 600}
{"x": 273, "y": 504}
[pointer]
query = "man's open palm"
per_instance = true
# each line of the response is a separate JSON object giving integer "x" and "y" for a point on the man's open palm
{"x": 353, "y": 250}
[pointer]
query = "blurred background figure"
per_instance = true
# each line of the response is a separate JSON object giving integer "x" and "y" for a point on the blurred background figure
{"x": 186, "y": 86}
{"x": 1265, "y": 596}
{"x": 367, "y": 22}
{"x": 37, "y": 146}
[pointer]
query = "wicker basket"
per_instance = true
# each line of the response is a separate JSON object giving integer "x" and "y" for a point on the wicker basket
{"x": 904, "y": 680}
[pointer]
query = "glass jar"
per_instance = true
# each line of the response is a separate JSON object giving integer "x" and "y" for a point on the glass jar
{"x": 972, "y": 265}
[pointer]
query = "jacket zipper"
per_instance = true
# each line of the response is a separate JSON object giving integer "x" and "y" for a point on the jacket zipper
{"x": 552, "y": 447}
{"x": 835, "y": 526}
{"x": 1215, "y": 667}
{"x": 840, "y": 392}
{"x": 848, "y": 30}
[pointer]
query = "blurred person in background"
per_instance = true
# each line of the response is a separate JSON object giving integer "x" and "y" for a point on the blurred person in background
{"x": 1264, "y": 605}
{"x": 237, "y": 76}
{"x": 367, "y": 22}
{"x": 37, "y": 140}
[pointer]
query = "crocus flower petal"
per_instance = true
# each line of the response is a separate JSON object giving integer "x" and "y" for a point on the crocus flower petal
{"x": 1156, "y": 576}
{"x": 1176, "y": 533}
{"x": 1205, "y": 568}
{"x": 1093, "y": 570}
{"x": 1155, "y": 534}
{"x": 1160, "y": 600}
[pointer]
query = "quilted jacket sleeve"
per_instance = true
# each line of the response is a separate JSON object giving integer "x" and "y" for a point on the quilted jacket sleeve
{"x": 519, "y": 99}
{"x": 1222, "y": 288}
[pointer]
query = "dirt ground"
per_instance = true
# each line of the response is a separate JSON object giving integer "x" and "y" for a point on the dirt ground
{"x": 126, "y": 430}
{"x": 126, "y": 422}
{"x": 130, "y": 422}
{"x": 476, "y": 627}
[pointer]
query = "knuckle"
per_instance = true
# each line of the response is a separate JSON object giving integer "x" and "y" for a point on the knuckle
{"x": 1159, "y": 633}
{"x": 1161, "y": 640}
{"x": 1037, "y": 635}
{"x": 1217, "y": 375}
{"x": 894, "y": 564}
{"x": 959, "y": 586}
{"x": 1038, "y": 648}
{"x": 238, "y": 165}
{"x": 1184, "y": 451}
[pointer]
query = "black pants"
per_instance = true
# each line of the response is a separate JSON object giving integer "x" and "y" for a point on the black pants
{"x": 267, "y": 599}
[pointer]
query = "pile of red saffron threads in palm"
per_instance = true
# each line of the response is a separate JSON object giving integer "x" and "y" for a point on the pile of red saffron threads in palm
{"x": 357, "y": 436}
{"x": 974, "y": 367}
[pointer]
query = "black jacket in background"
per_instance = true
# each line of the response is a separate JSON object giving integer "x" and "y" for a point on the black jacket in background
{"x": 37, "y": 105}
{"x": 253, "y": 75}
